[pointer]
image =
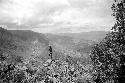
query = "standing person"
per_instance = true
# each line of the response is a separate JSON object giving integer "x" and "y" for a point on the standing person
{"x": 50, "y": 50}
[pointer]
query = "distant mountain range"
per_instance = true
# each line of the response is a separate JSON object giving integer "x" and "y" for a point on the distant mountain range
{"x": 25, "y": 54}
{"x": 76, "y": 42}
{"x": 28, "y": 44}
{"x": 92, "y": 35}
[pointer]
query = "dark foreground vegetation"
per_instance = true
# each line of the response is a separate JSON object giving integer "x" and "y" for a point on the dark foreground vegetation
{"x": 108, "y": 56}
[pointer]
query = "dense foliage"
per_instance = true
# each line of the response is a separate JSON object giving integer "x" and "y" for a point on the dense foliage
{"x": 109, "y": 55}
{"x": 23, "y": 60}
{"x": 50, "y": 71}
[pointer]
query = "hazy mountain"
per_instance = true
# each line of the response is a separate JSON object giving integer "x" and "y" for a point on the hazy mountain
{"x": 25, "y": 44}
{"x": 27, "y": 35}
{"x": 27, "y": 52}
{"x": 92, "y": 35}
{"x": 29, "y": 44}
{"x": 75, "y": 43}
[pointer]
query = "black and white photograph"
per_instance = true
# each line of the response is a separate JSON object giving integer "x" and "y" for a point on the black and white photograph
{"x": 62, "y": 41}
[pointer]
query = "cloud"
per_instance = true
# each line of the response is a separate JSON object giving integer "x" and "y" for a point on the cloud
{"x": 80, "y": 3}
{"x": 50, "y": 15}
{"x": 29, "y": 11}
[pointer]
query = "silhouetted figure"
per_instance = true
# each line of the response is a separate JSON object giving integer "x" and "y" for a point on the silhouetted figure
{"x": 50, "y": 50}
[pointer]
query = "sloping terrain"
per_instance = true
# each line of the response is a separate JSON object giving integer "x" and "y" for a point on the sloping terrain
{"x": 24, "y": 58}
{"x": 71, "y": 44}
{"x": 25, "y": 44}
{"x": 92, "y": 35}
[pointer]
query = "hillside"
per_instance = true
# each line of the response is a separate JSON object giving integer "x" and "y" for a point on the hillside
{"x": 24, "y": 56}
{"x": 92, "y": 35}
{"x": 27, "y": 35}
{"x": 26, "y": 44}
{"x": 27, "y": 54}
{"x": 74, "y": 41}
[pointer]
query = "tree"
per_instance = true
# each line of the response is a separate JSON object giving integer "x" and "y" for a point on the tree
{"x": 108, "y": 56}
{"x": 119, "y": 13}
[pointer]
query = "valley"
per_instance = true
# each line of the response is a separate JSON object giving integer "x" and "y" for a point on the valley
{"x": 27, "y": 53}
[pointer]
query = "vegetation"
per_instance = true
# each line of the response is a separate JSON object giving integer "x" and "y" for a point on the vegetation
{"x": 107, "y": 64}
{"x": 56, "y": 71}
{"x": 21, "y": 65}
{"x": 109, "y": 55}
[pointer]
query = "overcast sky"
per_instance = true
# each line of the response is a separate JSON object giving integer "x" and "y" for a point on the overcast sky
{"x": 57, "y": 15}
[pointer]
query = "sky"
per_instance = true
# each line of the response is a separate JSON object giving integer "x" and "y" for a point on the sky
{"x": 57, "y": 16}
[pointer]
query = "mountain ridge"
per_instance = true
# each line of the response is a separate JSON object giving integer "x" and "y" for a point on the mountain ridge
{"x": 25, "y": 44}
